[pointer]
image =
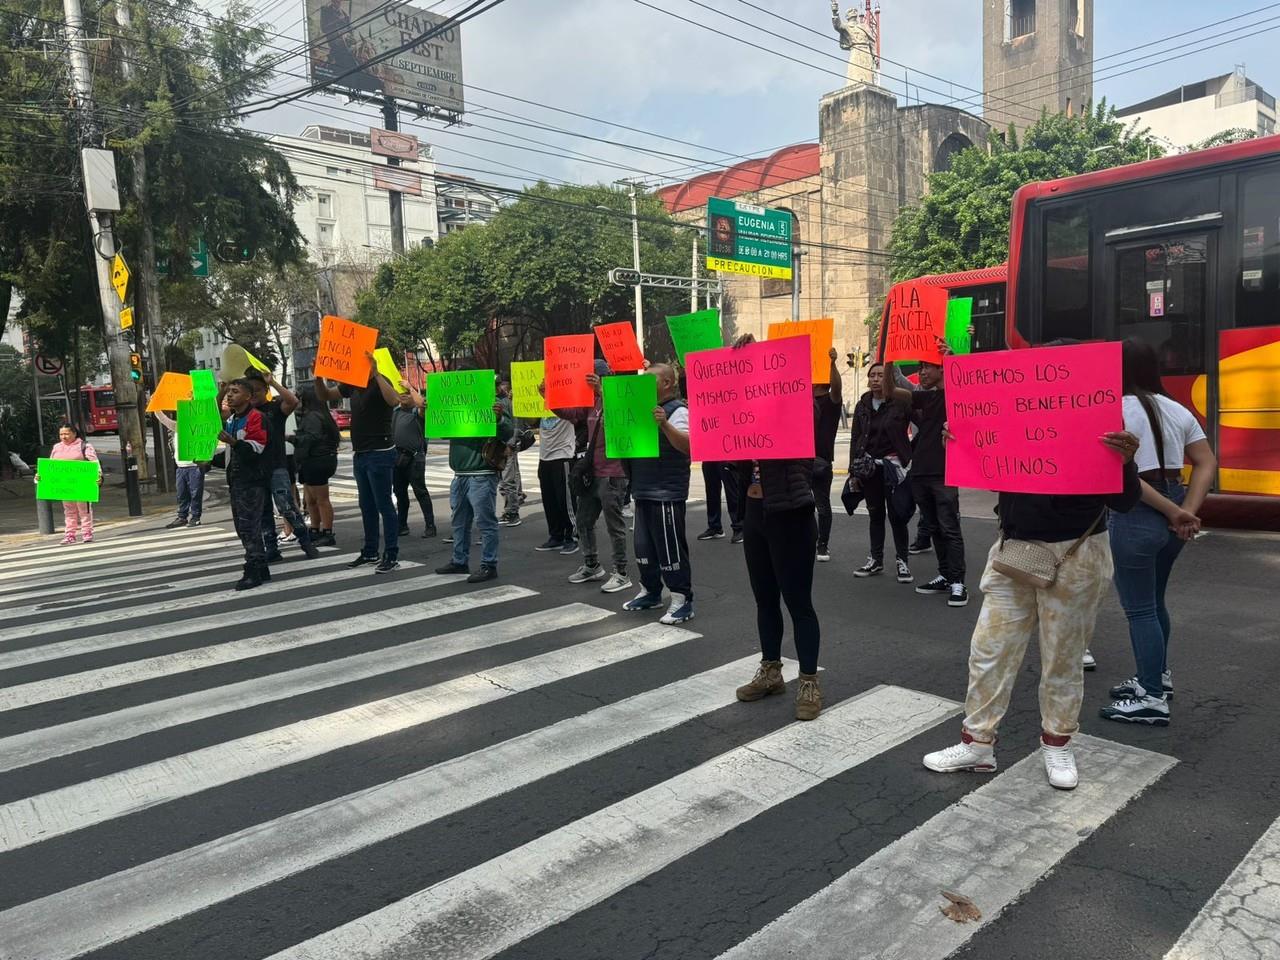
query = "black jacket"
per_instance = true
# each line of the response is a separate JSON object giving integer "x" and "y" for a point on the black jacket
{"x": 879, "y": 433}
{"x": 1057, "y": 518}
{"x": 787, "y": 484}
{"x": 665, "y": 477}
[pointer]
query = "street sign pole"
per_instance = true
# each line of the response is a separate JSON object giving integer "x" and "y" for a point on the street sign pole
{"x": 395, "y": 198}
{"x": 635, "y": 263}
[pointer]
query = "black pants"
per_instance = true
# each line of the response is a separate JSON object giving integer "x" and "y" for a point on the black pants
{"x": 553, "y": 481}
{"x": 412, "y": 472}
{"x": 779, "y": 548}
{"x": 822, "y": 477}
{"x": 940, "y": 509}
{"x": 662, "y": 550}
{"x": 874, "y": 493}
{"x": 247, "y": 504}
{"x": 715, "y": 476}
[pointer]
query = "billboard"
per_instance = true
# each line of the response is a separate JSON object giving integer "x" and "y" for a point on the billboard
{"x": 344, "y": 35}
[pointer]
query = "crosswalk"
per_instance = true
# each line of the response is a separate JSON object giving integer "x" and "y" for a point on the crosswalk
{"x": 339, "y": 766}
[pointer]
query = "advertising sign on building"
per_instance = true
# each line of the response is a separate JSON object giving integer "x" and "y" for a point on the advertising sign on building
{"x": 345, "y": 36}
{"x": 744, "y": 238}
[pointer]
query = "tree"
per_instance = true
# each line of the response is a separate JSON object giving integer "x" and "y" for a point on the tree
{"x": 962, "y": 223}
{"x": 1223, "y": 137}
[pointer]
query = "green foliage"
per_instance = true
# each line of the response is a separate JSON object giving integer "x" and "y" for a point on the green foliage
{"x": 1223, "y": 137}
{"x": 539, "y": 269}
{"x": 962, "y": 223}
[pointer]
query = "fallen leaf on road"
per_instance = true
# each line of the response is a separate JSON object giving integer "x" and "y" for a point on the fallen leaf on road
{"x": 961, "y": 909}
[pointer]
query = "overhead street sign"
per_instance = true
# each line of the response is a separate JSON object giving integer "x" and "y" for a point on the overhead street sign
{"x": 197, "y": 255}
{"x": 626, "y": 277}
{"x": 119, "y": 276}
{"x": 743, "y": 238}
{"x": 48, "y": 366}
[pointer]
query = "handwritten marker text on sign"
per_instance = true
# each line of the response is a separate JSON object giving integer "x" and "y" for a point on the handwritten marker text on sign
{"x": 567, "y": 362}
{"x": 753, "y": 402}
{"x": 821, "y": 335}
{"x": 73, "y": 480}
{"x": 917, "y": 317}
{"x": 628, "y": 410}
{"x": 525, "y": 399}
{"x": 691, "y": 332}
{"x": 1029, "y": 421}
{"x": 620, "y": 348}
{"x": 340, "y": 354}
{"x": 460, "y": 404}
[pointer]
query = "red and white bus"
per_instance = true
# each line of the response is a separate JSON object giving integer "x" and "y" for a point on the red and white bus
{"x": 1183, "y": 252}
{"x": 98, "y": 409}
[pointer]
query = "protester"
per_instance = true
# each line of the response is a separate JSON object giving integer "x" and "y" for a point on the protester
{"x": 409, "y": 432}
{"x": 1147, "y": 540}
{"x": 879, "y": 451}
{"x": 556, "y": 444}
{"x": 473, "y": 496}
{"x": 939, "y": 504}
{"x": 275, "y": 413}
{"x": 718, "y": 476}
{"x": 245, "y": 434}
{"x": 600, "y": 486}
{"x": 780, "y": 537}
{"x": 660, "y": 486}
{"x": 315, "y": 446}
{"x": 76, "y": 516}
{"x": 827, "y": 406}
{"x": 511, "y": 486}
{"x": 188, "y": 479}
{"x": 1071, "y": 527}
{"x": 373, "y": 463}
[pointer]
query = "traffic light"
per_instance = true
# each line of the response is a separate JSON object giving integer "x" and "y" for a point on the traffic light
{"x": 135, "y": 367}
{"x": 232, "y": 252}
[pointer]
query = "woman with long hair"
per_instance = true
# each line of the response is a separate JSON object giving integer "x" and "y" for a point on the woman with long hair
{"x": 1146, "y": 541}
{"x": 878, "y": 443}
{"x": 315, "y": 448}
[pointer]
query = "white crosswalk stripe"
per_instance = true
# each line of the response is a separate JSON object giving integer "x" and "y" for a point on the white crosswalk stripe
{"x": 257, "y": 701}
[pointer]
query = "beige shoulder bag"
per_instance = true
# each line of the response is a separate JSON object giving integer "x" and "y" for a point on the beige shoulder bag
{"x": 1033, "y": 563}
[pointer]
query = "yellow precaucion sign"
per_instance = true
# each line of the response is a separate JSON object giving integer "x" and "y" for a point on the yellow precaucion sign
{"x": 750, "y": 269}
{"x": 119, "y": 276}
{"x": 126, "y": 318}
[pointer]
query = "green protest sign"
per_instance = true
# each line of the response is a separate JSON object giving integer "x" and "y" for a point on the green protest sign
{"x": 691, "y": 332}
{"x": 203, "y": 385}
{"x": 199, "y": 424}
{"x": 460, "y": 404}
{"x": 74, "y": 480}
{"x": 959, "y": 318}
{"x": 630, "y": 430}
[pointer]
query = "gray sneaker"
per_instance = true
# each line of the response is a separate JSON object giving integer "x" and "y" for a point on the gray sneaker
{"x": 616, "y": 582}
{"x": 585, "y": 574}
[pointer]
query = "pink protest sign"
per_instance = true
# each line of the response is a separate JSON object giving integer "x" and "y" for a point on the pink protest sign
{"x": 752, "y": 403}
{"x": 1029, "y": 421}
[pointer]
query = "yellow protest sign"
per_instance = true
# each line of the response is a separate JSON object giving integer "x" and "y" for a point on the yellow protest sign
{"x": 126, "y": 318}
{"x": 119, "y": 276}
{"x": 387, "y": 367}
{"x": 525, "y": 377}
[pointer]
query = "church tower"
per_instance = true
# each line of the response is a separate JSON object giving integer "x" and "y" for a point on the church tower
{"x": 1035, "y": 54}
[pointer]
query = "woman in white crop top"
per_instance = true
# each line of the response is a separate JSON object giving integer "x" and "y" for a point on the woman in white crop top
{"x": 1146, "y": 542}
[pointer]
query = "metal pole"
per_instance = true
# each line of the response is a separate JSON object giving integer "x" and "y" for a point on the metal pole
{"x": 635, "y": 262}
{"x": 795, "y": 283}
{"x": 391, "y": 122}
{"x": 102, "y": 236}
{"x": 693, "y": 273}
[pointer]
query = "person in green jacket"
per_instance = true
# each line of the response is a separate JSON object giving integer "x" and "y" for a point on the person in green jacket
{"x": 473, "y": 495}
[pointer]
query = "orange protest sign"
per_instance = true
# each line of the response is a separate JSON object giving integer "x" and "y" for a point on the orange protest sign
{"x": 341, "y": 353}
{"x": 620, "y": 348}
{"x": 821, "y": 334}
{"x": 917, "y": 317}
{"x": 171, "y": 388}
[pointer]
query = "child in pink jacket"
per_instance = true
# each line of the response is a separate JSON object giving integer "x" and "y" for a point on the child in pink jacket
{"x": 77, "y": 516}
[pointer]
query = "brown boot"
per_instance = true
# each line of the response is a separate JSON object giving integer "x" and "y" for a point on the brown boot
{"x": 808, "y": 697}
{"x": 767, "y": 681}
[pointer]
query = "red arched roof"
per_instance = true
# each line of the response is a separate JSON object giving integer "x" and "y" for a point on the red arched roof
{"x": 796, "y": 162}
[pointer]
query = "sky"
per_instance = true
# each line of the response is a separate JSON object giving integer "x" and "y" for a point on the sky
{"x": 624, "y": 64}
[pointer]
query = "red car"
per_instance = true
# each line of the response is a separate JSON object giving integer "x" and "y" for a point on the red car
{"x": 342, "y": 418}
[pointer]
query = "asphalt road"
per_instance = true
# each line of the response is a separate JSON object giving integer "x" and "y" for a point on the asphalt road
{"x": 518, "y": 769}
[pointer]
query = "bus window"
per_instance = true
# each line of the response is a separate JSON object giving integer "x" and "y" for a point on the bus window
{"x": 988, "y": 316}
{"x": 1257, "y": 276}
{"x": 1066, "y": 308}
{"x": 1162, "y": 297}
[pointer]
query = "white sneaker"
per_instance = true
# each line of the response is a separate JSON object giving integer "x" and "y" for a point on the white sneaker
{"x": 1088, "y": 662}
{"x": 585, "y": 574}
{"x": 616, "y": 582}
{"x": 1060, "y": 766}
{"x": 681, "y": 610}
{"x": 824, "y": 553}
{"x": 968, "y": 755}
{"x": 904, "y": 572}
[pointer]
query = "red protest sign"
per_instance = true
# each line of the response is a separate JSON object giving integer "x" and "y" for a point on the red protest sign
{"x": 340, "y": 354}
{"x": 620, "y": 348}
{"x": 751, "y": 403}
{"x": 567, "y": 361}
{"x": 917, "y": 316}
{"x": 1028, "y": 421}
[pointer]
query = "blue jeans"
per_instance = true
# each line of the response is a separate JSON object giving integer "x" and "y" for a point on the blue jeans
{"x": 190, "y": 483}
{"x": 373, "y": 470}
{"x": 282, "y": 497}
{"x": 475, "y": 497}
{"x": 1144, "y": 550}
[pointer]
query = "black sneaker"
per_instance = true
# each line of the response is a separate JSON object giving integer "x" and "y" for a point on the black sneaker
{"x": 920, "y": 545}
{"x": 275, "y": 556}
{"x": 485, "y": 572}
{"x": 737, "y": 537}
{"x": 453, "y": 568}
{"x": 309, "y": 549}
{"x": 959, "y": 596}
{"x": 386, "y": 565}
{"x": 194, "y": 523}
{"x": 178, "y": 522}
{"x": 1131, "y": 688}
{"x": 326, "y": 539}
{"x": 430, "y": 532}
{"x": 709, "y": 534}
{"x": 551, "y": 544}
{"x": 938, "y": 586}
{"x": 404, "y": 530}
{"x": 1153, "y": 711}
{"x": 872, "y": 568}
{"x": 360, "y": 561}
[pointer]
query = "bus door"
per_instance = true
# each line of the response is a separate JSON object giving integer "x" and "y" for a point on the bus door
{"x": 1161, "y": 287}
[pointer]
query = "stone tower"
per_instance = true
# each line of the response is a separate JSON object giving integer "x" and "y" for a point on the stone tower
{"x": 1035, "y": 54}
